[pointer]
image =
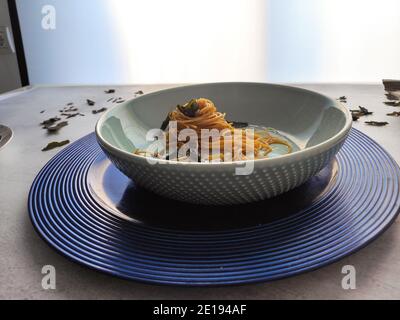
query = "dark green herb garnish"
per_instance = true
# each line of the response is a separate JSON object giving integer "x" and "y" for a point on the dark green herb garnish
{"x": 109, "y": 91}
{"x": 377, "y": 123}
{"x": 90, "y": 102}
{"x": 392, "y": 103}
{"x": 57, "y": 126}
{"x": 53, "y": 145}
{"x": 165, "y": 123}
{"x": 140, "y": 92}
{"x": 394, "y": 114}
{"x": 239, "y": 125}
{"x": 190, "y": 109}
{"x": 49, "y": 122}
{"x": 99, "y": 110}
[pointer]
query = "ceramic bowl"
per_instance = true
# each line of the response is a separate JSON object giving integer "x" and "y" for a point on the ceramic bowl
{"x": 316, "y": 124}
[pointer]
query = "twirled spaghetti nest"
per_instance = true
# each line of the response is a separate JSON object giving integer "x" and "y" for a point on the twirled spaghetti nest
{"x": 233, "y": 144}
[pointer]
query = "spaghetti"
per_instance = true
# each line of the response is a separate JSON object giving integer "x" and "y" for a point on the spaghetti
{"x": 231, "y": 144}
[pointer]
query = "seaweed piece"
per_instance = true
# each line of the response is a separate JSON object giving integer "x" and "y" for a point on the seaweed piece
{"x": 140, "y": 92}
{"x": 109, "y": 91}
{"x": 377, "y": 123}
{"x": 392, "y": 103}
{"x": 55, "y": 144}
{"x": 57, "y": 127}
{"x": 394, "y": 114}
{"x": 72, "y": 115}
{"x": 343, "y": 99}
{"x": 49, "y": 122}
{"x": 69, "y": 109}
{"x": 90, "y": 102}
{"x": 109, "y": 100}
{"x": 70, "y": 104}
{"x": 99, "y": 110}
{"x": 239, "y": 125}
{"x": 190, "y": 109}
{"x": 165, "y": 123}
{"x": 43, "y": 111}
{"x": 362, "y": 111}
{"x": 391, "y": 97}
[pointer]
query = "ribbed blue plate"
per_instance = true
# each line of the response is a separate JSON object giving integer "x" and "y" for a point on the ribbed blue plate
{"x": 88, "y": 211}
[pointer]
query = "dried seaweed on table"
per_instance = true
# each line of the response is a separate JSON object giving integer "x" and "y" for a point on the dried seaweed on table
{"x": 99, "y": 110}
{"x": 109, "y": 100}
{"x": 43, "y": 111}
{"x": 140, "y": 92}
{"x": 343, "y": 99}
{"x": 69, "y": 109}
{"x": 72, "y": 115}
{"x": 49, "y": 122}
{"x": 394, "y": 114}
{"x": 70, "y": 104}
{"x": 90, "y": 102}
{"x": 361, "y": 112}
{"x": 377, "y": 123}
{"x": 391, "y": 97}
{"x": 55, "y": 144}
{"x": 392, "y": 103}
{"x": 109, "y": 91}
{"x": 57, "y": 127}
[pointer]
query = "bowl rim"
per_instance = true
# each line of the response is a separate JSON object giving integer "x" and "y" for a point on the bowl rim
{"x": 307, "y": 151}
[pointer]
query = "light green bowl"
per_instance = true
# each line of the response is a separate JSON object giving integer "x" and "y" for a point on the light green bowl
{"x": 317, "y": 124}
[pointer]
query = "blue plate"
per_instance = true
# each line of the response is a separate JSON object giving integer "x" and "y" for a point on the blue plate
{"x": 91, "y": 213}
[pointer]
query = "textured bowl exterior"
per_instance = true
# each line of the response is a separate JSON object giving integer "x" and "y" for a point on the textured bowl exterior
{"x": 218, "y": 185}
{"x": 318, "y": 124}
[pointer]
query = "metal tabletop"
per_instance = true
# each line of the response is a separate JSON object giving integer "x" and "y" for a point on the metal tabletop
{"x": 23, "y": 253}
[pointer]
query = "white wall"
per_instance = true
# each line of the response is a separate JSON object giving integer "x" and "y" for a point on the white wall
{"x": 171, "y": 41}
{"x": 9, "y": 72}
{"x": 136, "y": 41}
{"x": 333, "y": 40}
